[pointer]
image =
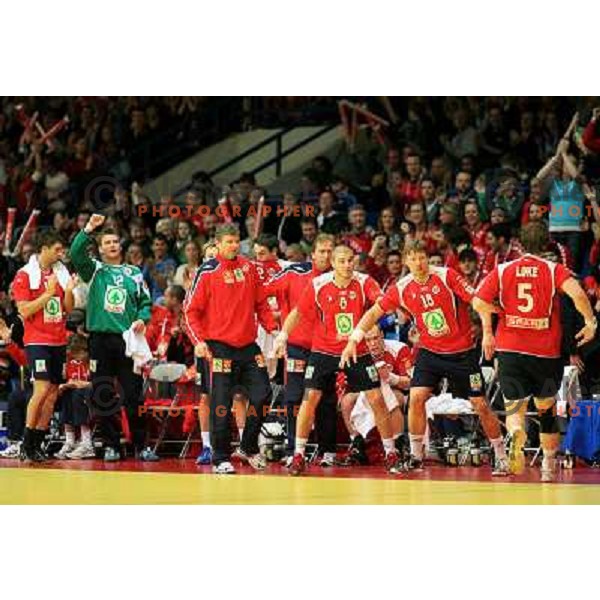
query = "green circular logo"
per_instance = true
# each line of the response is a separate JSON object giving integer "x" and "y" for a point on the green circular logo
{"x": 116, "y": 297}
{"x": 53, "y": 307}
{"x": 434, "y": 321}
{"x": 344, "y": 324}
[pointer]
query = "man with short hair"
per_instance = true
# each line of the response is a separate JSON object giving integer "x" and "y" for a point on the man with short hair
{"x": 359, "y": 238}
{"x": 502, "y": 247}
{"x": 221, "y": 311}
{"x": 528, "y": 339}
{"x": 309, "y": 228}
{"x": 43, "y": 292}
{"x": 328, "y": 219}
{"x": 289, "y": 285}
{"x": 334, "y": 302}
{"x": 118, "y": 301}
{"x": 438, "y": 299}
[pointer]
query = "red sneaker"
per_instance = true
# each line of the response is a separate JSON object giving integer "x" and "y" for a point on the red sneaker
{"x": 394, "y": 463}
{"x": 298, "y": 465}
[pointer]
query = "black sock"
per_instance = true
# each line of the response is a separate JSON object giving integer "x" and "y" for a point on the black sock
{"x": 39, "y": 439}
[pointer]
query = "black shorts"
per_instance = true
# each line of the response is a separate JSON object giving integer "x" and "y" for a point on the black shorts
{"x": 322, "y": 368}
{"x": 202, "y": 375}
{"x": 461, "y": 369}
{"x": 47, "y": 363}
{"x": 522, "y": 375}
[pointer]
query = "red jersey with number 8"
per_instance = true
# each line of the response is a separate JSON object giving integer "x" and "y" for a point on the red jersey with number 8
{"x": 336, "y": 311}
{"x": 530, "y": 319}
{"x": 439, "y": 307}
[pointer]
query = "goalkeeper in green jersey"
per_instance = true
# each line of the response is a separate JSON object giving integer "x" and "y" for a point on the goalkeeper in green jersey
{"x": 118, "y": 300}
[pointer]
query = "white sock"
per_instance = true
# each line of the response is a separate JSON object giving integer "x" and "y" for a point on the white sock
{"x": 498, "y": 446}
{"x": 416, "y": 446}
{"x": 70, "y": 435}
{"x": 86, "y": 435}
{"x": 241, "y": 432}
{"x": 206, "y": 439}
{"x": 388, "y": 445}
{"x": 300, "y": 445}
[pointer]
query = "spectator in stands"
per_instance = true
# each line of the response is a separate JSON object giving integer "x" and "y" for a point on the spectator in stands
{"x": 376, "y": 262}
{"x": 410, "y": 187}
{"x": 440, "y": 173}
{"x": 494, "y": 135}
{"x": 559, "y": 177}
{"x": 183, "y": 235}
{"x": 139, "y": 235}
{"x": 309, "y": 234}
{"x": 287, "y": 226}
{"x": 463, "y": 189}
{"x": 430, "y": 199}
{"x": 160, "y": 270}
{"x": 394, "y": 268}
{"x": 328, "y": 219}
{"x": 388, "y": 226}
{"x": 184, "y": 276}
{"x": 510, "y": 199}
{"x": 464, "y": 139}
{"x": 498, "y": 215}
{"x": 346, "y": 199}
{"x": 74, "y": 400}
{"x": 502, "y": 248}
{"x": 359, "y": 238}
{"x": 476, "y": 229}
{"x": 135, "y": 256}
{"x": 468, "y": 261}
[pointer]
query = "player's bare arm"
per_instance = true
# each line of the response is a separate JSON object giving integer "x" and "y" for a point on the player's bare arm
{"x": 28, "y": 308}
{"x": 581, "y": 301}
{"x": 290, "y": 324}
{"x": 367, "y": 322}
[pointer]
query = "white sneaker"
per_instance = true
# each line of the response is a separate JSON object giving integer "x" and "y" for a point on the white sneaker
{"x": 256, "y": 461}
{"x": 82, "y": 451}
{"x": 224, "y": 468}
{"x": 66, "y": 449}
{"x": 328, "y": 460}
{"x": 12, "y": 451}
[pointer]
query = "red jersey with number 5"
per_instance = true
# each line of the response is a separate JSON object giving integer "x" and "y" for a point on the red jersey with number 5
{"x": 439, "y": 307}
{"x": 530, "y": 319}
{"x": 336, "y": 311}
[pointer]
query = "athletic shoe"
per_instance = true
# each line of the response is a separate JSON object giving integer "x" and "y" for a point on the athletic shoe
{"x": 414, "y": 464}
{"x": 298, "y": 465}
{"x": 40, "y": 456}
{"x": 66, "y": 449}
{"x": 516, "y": 456}
{"x": 394, "y": 463}
{"x": 82, "y": 451}
{"x": 500, "y": 468}
{"x": 403, "y": 449}
{"x": 148, "y": 455}
{"x": 328, "y": 460}
{"x": 205, "y": 457}
{"x": 111, "y": 455}
{"x": 224, "y": 468}
{"x": 256, "y": 461}
{"x": 357, "y": 454}
{"x": 549, "y": 469}
{"x": 286, "y": 461}
{"x": 12, "y": 451}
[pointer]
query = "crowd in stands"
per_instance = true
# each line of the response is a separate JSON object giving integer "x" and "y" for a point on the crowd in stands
{"x": 460, "y": 174}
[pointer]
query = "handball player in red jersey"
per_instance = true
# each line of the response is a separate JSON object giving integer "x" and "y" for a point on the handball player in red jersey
{"x": 528, "y": 339}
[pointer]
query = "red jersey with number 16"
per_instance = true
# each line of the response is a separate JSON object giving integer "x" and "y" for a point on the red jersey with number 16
{"x": 336, "y": 311}
{"x": 439, "y": 307}
{"x": 526, "y": 290}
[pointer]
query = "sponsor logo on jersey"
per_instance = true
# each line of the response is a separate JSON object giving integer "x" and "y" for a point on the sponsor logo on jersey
{"x": 435, "y": 321}
{"x": 344, "y": 323}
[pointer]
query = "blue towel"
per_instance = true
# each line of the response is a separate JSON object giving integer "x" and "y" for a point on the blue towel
{"x": 583, "y": 434}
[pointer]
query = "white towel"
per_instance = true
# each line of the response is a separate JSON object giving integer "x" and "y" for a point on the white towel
{"x": 362, "y": 417}
{"x": 136, "y": 346}
{"x": 33, "y": 270}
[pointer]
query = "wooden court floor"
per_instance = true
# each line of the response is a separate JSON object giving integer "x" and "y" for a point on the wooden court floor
{"x": 181, "y": 482}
